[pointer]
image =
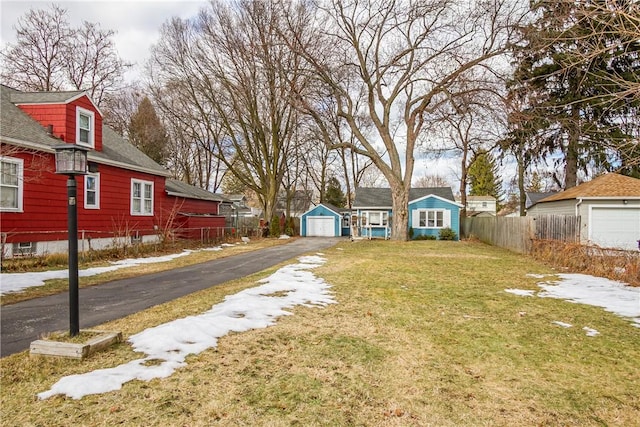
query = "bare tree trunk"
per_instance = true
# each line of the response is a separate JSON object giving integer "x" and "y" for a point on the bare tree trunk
{"x": 400, "y": 219}
{"x": 571, "y": 157}
{"x": 523, "y": 195}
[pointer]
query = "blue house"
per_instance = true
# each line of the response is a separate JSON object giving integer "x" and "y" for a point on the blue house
{"x": 325, "y": 220}
{"x": 430, "y": 210}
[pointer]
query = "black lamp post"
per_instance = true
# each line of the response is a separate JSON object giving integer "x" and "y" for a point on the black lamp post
{"x": 71, "y": 160}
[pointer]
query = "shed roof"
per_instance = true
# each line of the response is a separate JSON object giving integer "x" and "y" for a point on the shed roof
{"x": 608, "y": 185}
{"x": 182, "y": 189}
{"x": 381, "y": 197}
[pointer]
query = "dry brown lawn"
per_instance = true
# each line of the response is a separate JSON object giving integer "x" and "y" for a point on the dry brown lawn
{"x": 423, "y": 334}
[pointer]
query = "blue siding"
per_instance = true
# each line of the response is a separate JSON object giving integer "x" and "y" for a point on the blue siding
{"x": 435, "y": 203}
{"x": 321, "y": 210}
{"x": 375, "y": 231}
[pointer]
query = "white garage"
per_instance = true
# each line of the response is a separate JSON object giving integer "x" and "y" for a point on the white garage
{"x": 322, "y": 226}
{"x": 615, "y": 227}
{"x": 608, "y": 207}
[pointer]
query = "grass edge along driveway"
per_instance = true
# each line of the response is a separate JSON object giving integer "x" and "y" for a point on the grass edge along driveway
{"x": 423, "y": 334}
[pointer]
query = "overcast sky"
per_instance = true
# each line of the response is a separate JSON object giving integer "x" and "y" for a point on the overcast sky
{"x": 136, "y": 23}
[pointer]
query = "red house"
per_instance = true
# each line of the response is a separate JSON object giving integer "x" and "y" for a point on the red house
{"x": 126, "y": 197}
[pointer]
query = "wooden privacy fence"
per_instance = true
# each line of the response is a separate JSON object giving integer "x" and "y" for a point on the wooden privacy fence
{"x": 517, "y": 233}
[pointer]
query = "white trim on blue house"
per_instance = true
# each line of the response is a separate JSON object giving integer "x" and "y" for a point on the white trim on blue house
{"x": 436, "y": 197}
{"x": 325, "y": 206}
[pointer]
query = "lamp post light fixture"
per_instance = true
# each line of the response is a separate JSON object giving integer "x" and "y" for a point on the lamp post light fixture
{"x": 71, "y": 160}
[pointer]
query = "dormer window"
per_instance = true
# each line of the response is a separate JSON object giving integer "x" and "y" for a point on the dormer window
{"x": 85, "y": 124}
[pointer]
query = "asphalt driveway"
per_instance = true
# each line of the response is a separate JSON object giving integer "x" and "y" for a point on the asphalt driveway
{"x": 26, "y": 321}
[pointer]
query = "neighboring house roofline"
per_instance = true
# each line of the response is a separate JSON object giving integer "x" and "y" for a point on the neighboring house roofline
{"x": 480, "y": 198}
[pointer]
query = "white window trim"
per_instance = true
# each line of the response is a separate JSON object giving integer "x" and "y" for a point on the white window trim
{"x": 20, "y": 163}
{"x": 96, "y": 176}
{"x": 92, "y": 130}
{"x": 384, "y": 218}
{"x": 446, "y": 219}
{"x": 142, "y": 199}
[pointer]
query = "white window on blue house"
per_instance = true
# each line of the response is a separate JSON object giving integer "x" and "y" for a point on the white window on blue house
{"x": 141, "y": 197}
{"x": 431, "y": 218}
{"x": 375, "y": 218}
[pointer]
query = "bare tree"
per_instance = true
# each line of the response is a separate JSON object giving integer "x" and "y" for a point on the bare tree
{"x": 37, "y": 61}
{"x": 427, "y": 181}
{"x": 472, "y": 120}
{"x": 236, "y": 72}
{"x": 118, "y": 108}
{"x": 191, "y": 155}
{"x": 400, "y": 58}
{"x": 92, "y": 62}
{"x": 50, "y": 55}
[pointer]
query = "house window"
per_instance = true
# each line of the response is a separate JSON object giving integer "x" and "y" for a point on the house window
{"x": 346, "y": 218}
{"x": 141, "y": 197}
{"x": 24, "y": 249}
{"x": 376, "y": 218}
{"x": 484, "y": 204}
{"x": 85, "y": 124}
{"x": 92, "y": 191}
{"x": 11, "y": 181}
{"x": 431, "y": 219}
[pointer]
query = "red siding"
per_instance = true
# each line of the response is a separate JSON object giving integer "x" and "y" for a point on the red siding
{"x": 191, "y": 226}
{"x": 84, "y": 102}
{"x": 63, "y": 119}
{"x": 45, "y": 203}
{"x": 46, "y": 115}
{"x": 192, "y": 206}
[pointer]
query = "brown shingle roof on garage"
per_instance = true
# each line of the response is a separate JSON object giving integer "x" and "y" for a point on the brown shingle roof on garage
{"x": 608, "y": 185}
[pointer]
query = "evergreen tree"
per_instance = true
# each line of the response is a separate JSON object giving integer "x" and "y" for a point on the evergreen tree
{"x": 147, "y": 133}
{"x": 563, "y": 80}
{"x": 484, "y": 176}
{"x": 334, "y": 194}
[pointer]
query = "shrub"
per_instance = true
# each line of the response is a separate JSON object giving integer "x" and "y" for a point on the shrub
{"x": 274, "y": 226}
{"x": 447, "y": 234}
{"x": 410, "y": 233}
{"x": 425, "y": 237}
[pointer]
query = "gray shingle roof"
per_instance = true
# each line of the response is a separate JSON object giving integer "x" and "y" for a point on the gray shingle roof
{"x": 381, "y": 197}
{"x": 533, "y": 198}
{"x": 182, "y": 189}
{"x": 18, "y": 97}
{"x": 335, "y": 208}
{"x": 16, "y": 125}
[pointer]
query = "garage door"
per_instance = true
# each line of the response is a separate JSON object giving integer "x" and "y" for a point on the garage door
{"x": 615, "y": 227}
{"x": 321, "y": 226}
